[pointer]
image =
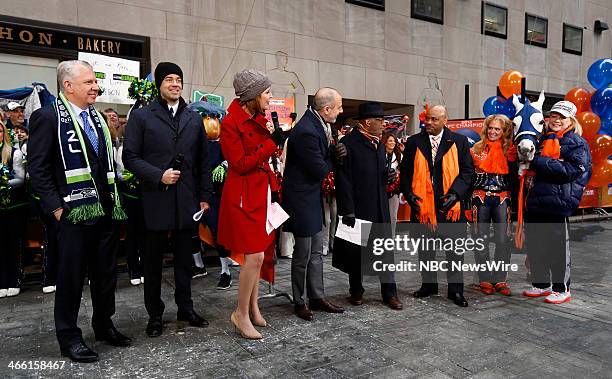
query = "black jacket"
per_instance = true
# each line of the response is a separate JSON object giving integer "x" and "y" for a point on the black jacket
{"x": 462, "y": 183}
{"x": 308, "y": 163}
{"x": 46, "y": 167}
{"x": 152, "y": 141}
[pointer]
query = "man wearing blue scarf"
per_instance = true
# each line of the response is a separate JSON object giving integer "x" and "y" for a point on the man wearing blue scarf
{"x": 71, "y": 168}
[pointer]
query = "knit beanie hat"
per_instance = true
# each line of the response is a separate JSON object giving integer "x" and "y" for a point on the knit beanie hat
{"x": 164, "y": 69}
{"x": 250, "y": 83}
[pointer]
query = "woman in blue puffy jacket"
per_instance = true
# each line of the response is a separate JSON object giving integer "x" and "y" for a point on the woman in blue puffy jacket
{"x": 562, "y": 168}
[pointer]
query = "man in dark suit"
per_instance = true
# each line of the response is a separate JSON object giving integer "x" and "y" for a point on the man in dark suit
{"x": 446, "y": 164}
{"x": 310, "y": 149}
{"x": 87, "y": 235}
{"x": 361, "y": 193}
{"x": 166, "y": 148}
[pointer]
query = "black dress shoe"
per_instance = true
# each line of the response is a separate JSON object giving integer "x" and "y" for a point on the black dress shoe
{"x": 193, "y": 318}
{"x": 113, "y": 337}
{"x": 79, "y": 352}
{"x": 425, "y": 292}
{"x": 324, "y": 305}
{"x": 458, "y": 299}
{"x": 154, "y": 327}
{"x": 303, "y": 312}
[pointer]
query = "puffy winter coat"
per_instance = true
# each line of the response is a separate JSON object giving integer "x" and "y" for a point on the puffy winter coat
{"x": 559, "y": 183}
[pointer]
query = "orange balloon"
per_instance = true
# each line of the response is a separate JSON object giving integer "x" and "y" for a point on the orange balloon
{"x": 580, "y": 97}
{"x": 590, "y": 123}
{"x": 510, "y": 83}
{"x": 602, "y": 174}
{"x": 601, "y": 147}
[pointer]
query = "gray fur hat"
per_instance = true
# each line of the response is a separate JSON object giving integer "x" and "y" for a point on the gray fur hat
{"x": 250, "y": 83}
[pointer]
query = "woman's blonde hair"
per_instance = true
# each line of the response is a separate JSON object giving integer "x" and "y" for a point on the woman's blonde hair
{"x": 506, "y": 138}
{"x": 7, "y": 145}
{"x": 576, "y": 125}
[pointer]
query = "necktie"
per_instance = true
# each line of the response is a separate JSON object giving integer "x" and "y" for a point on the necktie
{"x": 171, "y": 112}
{"x": 435, "y": 143}
{"x": 90, "y": 131}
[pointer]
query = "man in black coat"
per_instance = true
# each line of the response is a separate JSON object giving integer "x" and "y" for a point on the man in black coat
{"x": 87, "y": 245}
{"x": 309, "y": 159}
{"x": 166, "y": 148}
{"x": 361, "y": 193}
{"x": 434, "y": 144}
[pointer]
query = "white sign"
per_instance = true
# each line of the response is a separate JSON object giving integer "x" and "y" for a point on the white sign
{"x": 114, "y": 76}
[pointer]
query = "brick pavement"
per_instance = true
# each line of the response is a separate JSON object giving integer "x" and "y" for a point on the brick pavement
{"x": 494, "y": 337}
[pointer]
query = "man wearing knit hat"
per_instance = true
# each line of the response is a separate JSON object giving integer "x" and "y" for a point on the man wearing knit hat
{"x": 166, "y": 149}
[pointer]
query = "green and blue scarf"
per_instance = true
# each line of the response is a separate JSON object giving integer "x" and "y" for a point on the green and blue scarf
{"x": 83, "y": 196}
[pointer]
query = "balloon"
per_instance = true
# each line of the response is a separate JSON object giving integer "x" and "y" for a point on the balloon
{"x": 580, "y": 97}
{"x": 510, "y": 83}
{"x": 601, "y": 103}
{"x": 601, "y": 147}
{"x": 602, "y": 174}
{"x": 590, "y": 123}
{"x": 497, "y": 105}
{"x": 606, "y": 127}
{"x": 600, "y": 73}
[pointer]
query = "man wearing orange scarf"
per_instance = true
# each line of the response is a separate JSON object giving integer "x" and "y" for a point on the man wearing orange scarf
{"x": 435, "y": 176}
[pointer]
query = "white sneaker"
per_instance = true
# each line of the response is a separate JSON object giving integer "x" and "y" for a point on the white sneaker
{"x": 142, "y": 279}
{"x": 3, "y": 292}
{"x": 13, "y": 292}
{"x": 558, "y": 297}
{"x": 135, "y": 282}
{"x": 537, "y": 292}
{"x": 49, "y": 289}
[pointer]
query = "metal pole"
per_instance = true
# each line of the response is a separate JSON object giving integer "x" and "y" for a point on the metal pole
{"x": 467, "y": 101}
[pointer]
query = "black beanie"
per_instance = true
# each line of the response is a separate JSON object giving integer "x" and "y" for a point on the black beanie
{"x": 164, "y": 69}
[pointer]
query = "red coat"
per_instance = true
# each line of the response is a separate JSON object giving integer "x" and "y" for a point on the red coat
{"x": 247, "y": 146}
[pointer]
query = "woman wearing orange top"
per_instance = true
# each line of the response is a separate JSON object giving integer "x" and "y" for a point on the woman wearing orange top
{"x": 493, "y": 156}
{"x": 248, "y": 141}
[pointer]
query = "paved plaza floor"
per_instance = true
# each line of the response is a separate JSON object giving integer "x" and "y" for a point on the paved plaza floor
{"x": 494, "y": 337}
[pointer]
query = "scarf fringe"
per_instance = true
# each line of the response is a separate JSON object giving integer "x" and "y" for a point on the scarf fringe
{"x": 118, "y": 213}
{"x": 85, "y": 212}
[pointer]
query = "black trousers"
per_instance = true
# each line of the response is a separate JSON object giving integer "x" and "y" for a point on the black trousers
{"x": 90, "y": 249}
{"x": 12, "y": 228}
{"x": 547, "y": 243}
{"x": 498, "y": 213}
{"x": 51, "y": 249}
{"x": 182, "y": 246}
{"x": 429, "y": 276}
{"x": 388, "y": 288}
{"x": 134, "y": 237}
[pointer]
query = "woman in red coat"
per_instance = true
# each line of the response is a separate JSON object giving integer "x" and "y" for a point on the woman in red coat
{"x": 247, "y": 142}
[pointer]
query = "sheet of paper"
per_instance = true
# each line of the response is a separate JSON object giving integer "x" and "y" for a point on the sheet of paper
{"x": 276, "y": 217}
{"x": 353, "y": 235}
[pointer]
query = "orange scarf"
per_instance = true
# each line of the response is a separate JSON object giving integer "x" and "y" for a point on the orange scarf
{"x": 423, "y": 187}
{"x": 550, "y": 145}
{"x": 494, "y": 161}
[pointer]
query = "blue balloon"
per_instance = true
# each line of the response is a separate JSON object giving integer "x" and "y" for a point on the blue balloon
{"x": 509, "y": 109}
{"x": 471, "y": 135}
{"x": 606, "y": 127}
{"x": 601, "y": 103}
{"x": 600, "y": 73}
{"x": 150, "y": 77}
{"x": 497, "y": 105}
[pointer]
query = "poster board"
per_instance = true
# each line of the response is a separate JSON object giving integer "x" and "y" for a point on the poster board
{"x": 114, "y": 76}
{"x": 284, "y": 107}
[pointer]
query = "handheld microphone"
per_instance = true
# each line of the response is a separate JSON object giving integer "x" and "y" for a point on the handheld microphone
{"x": 275, "y": 120}
{"x": 176, "y": 164}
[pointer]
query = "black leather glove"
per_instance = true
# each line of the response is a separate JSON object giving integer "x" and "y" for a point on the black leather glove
{"x": 391, "y": 175}
{"x": 349, "y": 220}
{"x": 448, "y": 201}
{"x": 413, "y": 200}
{"x": 338, "y": 153}
{"x": 279, "y": 137}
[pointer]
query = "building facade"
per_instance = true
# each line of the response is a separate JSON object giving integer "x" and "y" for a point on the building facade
{"x": 389, "y": 55}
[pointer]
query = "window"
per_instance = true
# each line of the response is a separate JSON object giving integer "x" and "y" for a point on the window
{"x": 536, "y": 30}
{"x": 428, "y": 10}
{"x": 572, "y": 39}
{"x": 494, "y": 20}
{"x": 376, "y": 4}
